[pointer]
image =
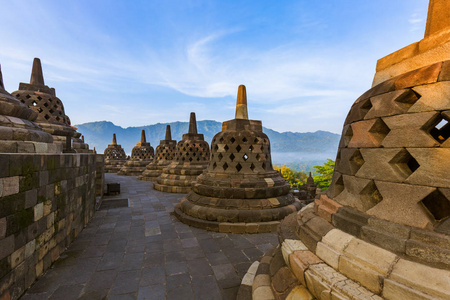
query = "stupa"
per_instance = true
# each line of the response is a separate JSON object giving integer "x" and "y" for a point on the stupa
{"x": 18, "y": 132}
{"x": 191, "y": 158}
{"x": 239, "y": 191}
{"x": 80, "y": 146}
{"x": 50, "y": 110}
{"x": 115, "y": 157}
{"x": 382, "y": 230}
{"x": 165, "y": 154}
{"x": 141, "y": 155}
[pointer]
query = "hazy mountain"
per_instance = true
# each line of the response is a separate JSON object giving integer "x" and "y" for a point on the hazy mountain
{"x": 287, "y": 147}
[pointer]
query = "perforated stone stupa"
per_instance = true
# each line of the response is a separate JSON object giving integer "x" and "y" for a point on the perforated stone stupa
{"x": 239, "y": 191}
{"x": 141, "y": 155}
{"x": 191, "y": 158}
{"x": 50, "y": 110}
{"x": 382, "y": 230}
{"x": 115, "y": 157}
{"x": 18, "y": 132}
{"x": 165, "y": 154}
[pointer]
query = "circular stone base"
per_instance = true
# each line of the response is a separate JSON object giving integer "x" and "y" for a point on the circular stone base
{"x": 225, "y": 227}
{"x": 171, "y": 188}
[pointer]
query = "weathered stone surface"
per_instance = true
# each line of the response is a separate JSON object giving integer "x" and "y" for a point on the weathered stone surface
{"x": 419, "y": 77}
{"x": 424, "y": 279}
{"x": 387, "y": 235}
{"x": 433, "y": 97}
{"x": 394, "y": 290}
{"x": 393, "y": 204}
{"x": 445, "y": 72}
{"x": 300, "y": 293}
{"x": 300, "y": 262}
{"x": 409, "y": 130}
{"x": 289, "y": 246}
{"x": 283, "y": 280}
{"x": 351, "y": 195}
{"x": 389, "y": 104}
{"x": 325, "y": 207}
{"x": 434, "y": 164}
{"x": 349, "y": 220}
{"x": 368, "y": 133}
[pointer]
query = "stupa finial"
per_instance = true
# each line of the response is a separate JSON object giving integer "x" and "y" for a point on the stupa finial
{"x": 114, "y": 141}
{"x": 37, "y": 78}
{"x": 241, "y": 103}
{"x": 193, "y": 124}
{"x": 143, "y": 140}
{"x": 168, "y": 133}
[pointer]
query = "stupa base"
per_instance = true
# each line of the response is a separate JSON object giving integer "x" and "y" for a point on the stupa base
{"x": 133, "y": 168}
{"x": 247, "y": 221}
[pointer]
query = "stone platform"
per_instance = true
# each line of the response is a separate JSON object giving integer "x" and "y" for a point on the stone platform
{"x": 144, "y": 252}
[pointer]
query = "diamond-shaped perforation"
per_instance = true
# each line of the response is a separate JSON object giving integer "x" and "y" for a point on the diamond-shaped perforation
{"x": 47, "y": 117}
{"x": 214, "y": 166}
{"x": 220, "y": 156}
{"x": 27, "y": 96}
{"x": 244, "y": 140}
{"x": 438, "y": 205}
{"x": 338, "y": 186}
{"x": 250, "y": 148}
{"x": 404, "y": 163}
{"x": 238, "y": 148}
{"x": 245, "y": 157}
{"x": 440, "y": 130}
{"x": 252, "y": 167}
{"x": 408, "y": 99}
{"x": 370, "y": 195}
{"x": 226, "y": 148}
{"x": 232, "y": 157}
{"x": 232, "y": 140}
{"x": 379, "y": 130}
{"x": 348, "y": 135}
{"x": 225, "y": 166}
{"x": 216, "y": 147}
{"x": 356, "y": 161}
{"x": 263, "y": 165}
{"x": 365, "y": 107}
{"x": 238, "y": 167}
{"x": 39, "y": 98}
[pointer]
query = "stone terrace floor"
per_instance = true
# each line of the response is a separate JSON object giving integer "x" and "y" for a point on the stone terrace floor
{"x": 144, "y": 252}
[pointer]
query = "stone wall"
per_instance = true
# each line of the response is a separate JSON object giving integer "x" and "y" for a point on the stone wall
{"x": 45, "y": 202}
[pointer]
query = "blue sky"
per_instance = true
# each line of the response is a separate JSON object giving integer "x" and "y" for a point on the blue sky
{"x": 143, "y": 62}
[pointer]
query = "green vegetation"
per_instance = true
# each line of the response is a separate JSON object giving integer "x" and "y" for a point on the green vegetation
{"x": 292, "y": 177}
{"x": 326, "y": 174}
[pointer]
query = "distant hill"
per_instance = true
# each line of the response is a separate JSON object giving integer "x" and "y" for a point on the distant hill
{"x": 287, "y": 147}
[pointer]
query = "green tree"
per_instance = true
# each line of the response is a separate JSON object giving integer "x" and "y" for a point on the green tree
{"x": 292, "y": 177}
{"x": 325, "y": 174}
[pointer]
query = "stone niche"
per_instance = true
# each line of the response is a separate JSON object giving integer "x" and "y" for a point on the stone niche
{"x": 141, "y": 155}
{"x": 165, "y": 154}
{"x": 115, "y": 157}
{"x": 239, "y": 191}
{"x": 191, "y": 158}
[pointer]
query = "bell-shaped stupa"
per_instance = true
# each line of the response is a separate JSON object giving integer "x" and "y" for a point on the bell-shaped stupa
{"x": 239, "y": 191}
{"x": 50, "y": 110}
{"x": 165, "y": 154}
{"x": 141, "y": 155}
{"x": 191, "y": 158}
{"x": 115, "y": 157}
{"x": 382, "y": 230}
{"x": 18, "y": 132}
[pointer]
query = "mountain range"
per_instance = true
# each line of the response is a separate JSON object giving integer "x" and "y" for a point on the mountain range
{"x": 287, "y": 147}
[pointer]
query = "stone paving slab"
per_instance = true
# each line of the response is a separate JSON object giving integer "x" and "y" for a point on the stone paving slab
{"x": 144, "y": 252}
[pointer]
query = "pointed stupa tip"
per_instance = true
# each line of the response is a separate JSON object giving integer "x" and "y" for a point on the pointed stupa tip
{"x": 241, "y": 103}
{"x": 1, "y": 78}
{"x": 143, "y": 136}
{"x": 193, "y": 124}
{"x": 37, "y": 78}
{"x": 94, "y": 151}
{"x": 82, "y": 138}
{"x": 168, "y": 133}
{"x": 310, "y": 174}
{"x": 114, "y": 142}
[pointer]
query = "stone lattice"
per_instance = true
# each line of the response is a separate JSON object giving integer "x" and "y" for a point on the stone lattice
{"x": 382, "y": 230}
{"x": 239, "y": 191}
{"x": 49, "y": 108}
{"x": 18, "y": 131}
{"x": 191, "y": 158}
{"x": 141, "y": 155}
{"x": 165, "y": 154}
{"x": 115, "y": 157}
